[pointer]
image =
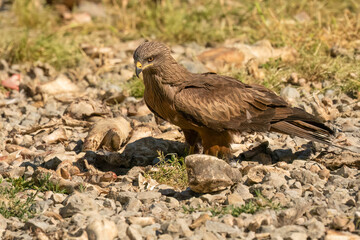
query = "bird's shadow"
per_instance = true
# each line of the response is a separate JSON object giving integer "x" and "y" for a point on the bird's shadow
{"x": 145, "y": 151}
{"x": 264, "y": 155}
{"x": 142, "y": 152}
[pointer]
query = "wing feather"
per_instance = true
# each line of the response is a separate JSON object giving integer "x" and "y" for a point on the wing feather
{"x": 223, "y": 103}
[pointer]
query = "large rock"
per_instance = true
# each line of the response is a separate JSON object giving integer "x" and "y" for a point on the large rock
{"x": 110, "y": 134}
{"x": 209, "y": 174}
{"x": 78, "y": 203}
{"x": 61, "y": 84}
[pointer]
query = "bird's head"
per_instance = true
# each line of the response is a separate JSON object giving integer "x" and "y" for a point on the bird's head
{"x": 150, "y": 55}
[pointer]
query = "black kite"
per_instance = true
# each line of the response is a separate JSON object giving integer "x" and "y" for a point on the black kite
{"x": 210, "y": 107}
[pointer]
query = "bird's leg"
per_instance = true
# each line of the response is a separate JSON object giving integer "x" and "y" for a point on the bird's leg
{"x": 191, "y": 149}
{"x": 214, "y": 151}
{"x": 222, "y": 152}
{"x": 216, "y": 143}
{"x": 193, "y": 139}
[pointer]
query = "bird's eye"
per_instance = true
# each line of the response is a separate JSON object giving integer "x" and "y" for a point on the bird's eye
{"x": 150, "y": 59}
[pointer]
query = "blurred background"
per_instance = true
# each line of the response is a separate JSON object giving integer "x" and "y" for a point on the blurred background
{"x": 324, "y": 37}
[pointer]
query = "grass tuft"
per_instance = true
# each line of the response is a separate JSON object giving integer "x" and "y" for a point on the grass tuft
{"x": 13, "y": 202}
{"x": 170, "y": 171}
{"x": 52, "y": 48}
{"x": 33, "y": 14}
{"x": 259, "y": 203}
{"x": 136, "y": 87}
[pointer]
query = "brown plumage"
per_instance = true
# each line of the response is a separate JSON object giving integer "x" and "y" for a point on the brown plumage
{"x": 210, "y": 107}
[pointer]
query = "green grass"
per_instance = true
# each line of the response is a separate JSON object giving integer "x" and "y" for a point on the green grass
{"x": 259, "y": 203}
{"x": 52, "y": 48}
{"x": 13, "y": 202}
{"x": 34, "y": 32}
{"x": 13, "y": 206}
{"x": 135, "y": 87}
{"x": 170, "y": 171}
{"x": 33, "y": 14}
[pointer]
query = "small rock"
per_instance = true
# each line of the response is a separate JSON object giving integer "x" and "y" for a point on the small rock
{"x": 334, "y": 235}
{"x": 291, "y": 232}
{"x": 61, "y": 84}
{"x": 199, "y": 221}
{"x": 294, "y": 78}
{"x": 210, "y": 236}
{"x": 150, "y": 232}
{"x": 316, "y": 229}
{"x": 172, "y": 202}
{"x": 280, "y": 198}
{"x": 274, "y": 179}
{"x": 343, "y": 223}
{"x": 218, "y": 227}
{"x": 346, "y": 172}
{"x": 133, "y": 205}
{"x": 148, "y": 197}
{"x": 305, "y": 176}
{"x": 213, "y": 198}
{"x": 194, "y": 67}
{"x": 38, "y": 223}
{"x": 101, "y": 229}
{"x": 134, "y": 232}
{"x": 209, "y": 174}
{"x": 348, "y": 126}
{"x": 259, "y": 220}
{"x": 58, "y": 135}
{"x": 58, "y": 198}
{"x": 235, "y": 199}
{"x": 290, "y": 94}
{"x": 228, "y": 219}
{"x": 78, "y": 203}
{"x": 3, "y": 224}
{"x": 142, "y": 221}
{"x": 123, "y": 197}
{"x": 217, "y": 58}
{"x": 324, "y": 173}
{"x": 41, "y": 206}
{"x": 243, "y": 191}
{"x": 184, "y": 227}
{"x": 15, "y": 172}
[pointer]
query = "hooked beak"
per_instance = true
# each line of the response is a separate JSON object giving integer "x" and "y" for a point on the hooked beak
{"x": 138, "y": 68}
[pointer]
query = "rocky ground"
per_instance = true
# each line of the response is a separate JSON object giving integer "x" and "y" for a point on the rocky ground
{"x": 85, "y": 152}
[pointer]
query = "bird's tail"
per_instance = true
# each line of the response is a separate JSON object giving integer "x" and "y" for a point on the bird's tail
{"x": 310, "y": 130}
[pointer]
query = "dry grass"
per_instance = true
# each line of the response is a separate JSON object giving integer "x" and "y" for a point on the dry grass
{"x": 33, "y": 32}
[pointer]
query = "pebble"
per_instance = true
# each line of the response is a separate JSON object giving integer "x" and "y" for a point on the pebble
{"x": 78, "y": 203}
{"x": 142, "y": 221}
{"x": 235, "y": 199}
{"x": 290, "y": 94}
{"x": 134, "y": 232}
{"x": 101, "y": 229}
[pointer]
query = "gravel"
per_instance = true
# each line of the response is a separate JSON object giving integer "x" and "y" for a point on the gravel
{"x": 303, "y": 190}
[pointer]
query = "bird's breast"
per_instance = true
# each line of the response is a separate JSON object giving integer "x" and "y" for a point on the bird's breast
{"x": 160, "y": 100}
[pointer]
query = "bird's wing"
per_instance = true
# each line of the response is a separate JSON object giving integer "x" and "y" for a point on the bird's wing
{"x": 223, "y": 103}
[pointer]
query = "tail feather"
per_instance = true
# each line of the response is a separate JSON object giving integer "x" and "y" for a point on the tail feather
{"x": 313, "y": 131}
{"x": 304, "y": 130}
